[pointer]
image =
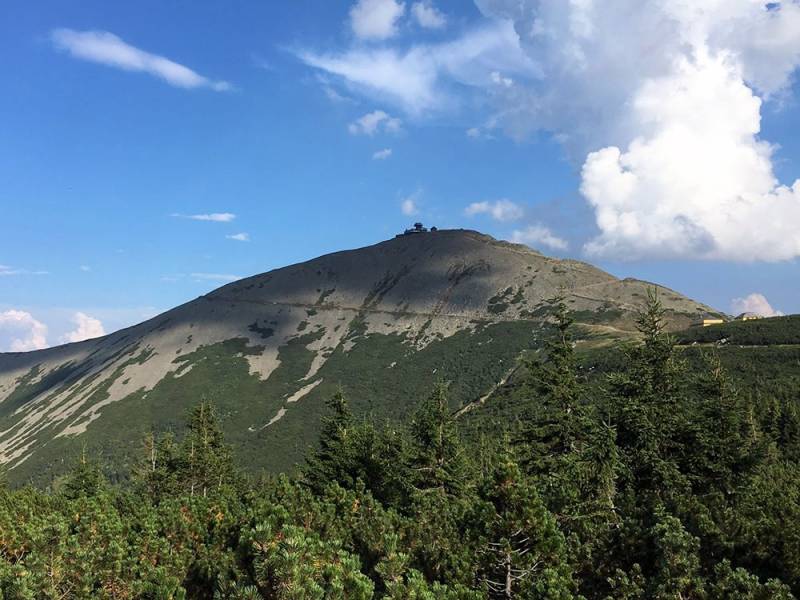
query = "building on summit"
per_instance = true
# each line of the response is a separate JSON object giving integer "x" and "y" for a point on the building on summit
{"x": 418, "y": 228}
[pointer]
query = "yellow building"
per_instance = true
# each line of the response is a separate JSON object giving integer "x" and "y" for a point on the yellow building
{"x": 707, "y": 322}
{"x": 748, "y": 316}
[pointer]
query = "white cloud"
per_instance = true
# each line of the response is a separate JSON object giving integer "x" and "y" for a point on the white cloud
{"x": 239, "y": 237}
{"x": 107, "y": 49}
{"x": 539, "y": 235}
{"x": 86, "y": 328}
{"x": 382, "y": 154}
{"x": 754, "y": 303}
{"x": 428, "y": 16}
{"x": 499, "y": 79}
{"x": 474, "y": 132}
{"x": 662, "y": 100}
{"x": 427, "y": 77}
{"x": 6, "y": 271}
{"x": 375, "y": 19}
{"x": 20, "y": 332}
{"x": 215, "y": 217}
{"x": 85, "y": 268}
{"x": 215, "y": 277}
{"x": 409, "y": 205}
{"x": 374, "y": 122}
{"x": 499, "y": 210}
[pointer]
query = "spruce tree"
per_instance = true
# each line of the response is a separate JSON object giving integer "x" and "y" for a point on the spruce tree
{"x": 648, "y": 405}
{"x": 85, "y": 479}
{"x": 438, "y": 460}
{"x": 555, "y": 420}
{"x": 523, "y": 555}
{"x": 206, "y": 461}
{"x": 329, "y": 461}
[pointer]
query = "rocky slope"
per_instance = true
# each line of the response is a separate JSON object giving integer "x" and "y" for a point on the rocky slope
{"x": 381, "y": 321}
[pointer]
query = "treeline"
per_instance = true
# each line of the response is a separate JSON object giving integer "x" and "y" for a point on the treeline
{"x": 660, "y": 484}
{"x": 759, "y": 332}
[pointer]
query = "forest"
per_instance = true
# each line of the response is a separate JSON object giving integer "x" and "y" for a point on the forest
{"x": 655, "y": 480}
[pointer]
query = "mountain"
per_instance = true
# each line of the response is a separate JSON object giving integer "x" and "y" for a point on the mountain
{"x": 383, "y": 322}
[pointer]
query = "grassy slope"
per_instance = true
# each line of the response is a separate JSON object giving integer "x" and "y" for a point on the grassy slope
{"x": 383, "y": 377}
{"x": 473, "y": 361}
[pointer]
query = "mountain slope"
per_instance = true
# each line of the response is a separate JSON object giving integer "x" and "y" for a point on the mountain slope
{"x": 382, "y": 321}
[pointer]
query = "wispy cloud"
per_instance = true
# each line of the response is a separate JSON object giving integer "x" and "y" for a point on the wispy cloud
{"x": 427, "y": 15}
{"x": 107, "y": 49}
{"x": 6, "y": 271}
{"x": 374, "y": 122}
{"x": 215, "y": 277}
{"x": 382, "y": 154}
{"x": 85, "y": 268}
{"x": 225, "y": 217}
{"x": 376, "y": 19}
{"x": 239, "y": 237}
{"x": 499, "y": 210}
{"x": 428, "y": 77}
{"x": 409, "y": 205}
{"x": 539, "y": 235}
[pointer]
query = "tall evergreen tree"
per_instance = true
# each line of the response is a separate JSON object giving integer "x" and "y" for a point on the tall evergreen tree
{"x": 206, "y": 460}
{"x": 438, "y": 460}
{"x": 85, "y": 479}
{"x": 647, "y": 403}
{"x": 523, "y": 554}
{"x": 329, "y": 461}
{"x": 554, "y": 416}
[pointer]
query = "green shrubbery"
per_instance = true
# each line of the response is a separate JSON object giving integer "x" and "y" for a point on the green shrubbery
{"x": 660, "y": 483}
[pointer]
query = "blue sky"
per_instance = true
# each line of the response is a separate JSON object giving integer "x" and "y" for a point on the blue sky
{"x": 140, "y": 140}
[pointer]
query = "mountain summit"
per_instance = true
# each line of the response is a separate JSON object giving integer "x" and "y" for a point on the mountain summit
{"x": 381, "y": 321}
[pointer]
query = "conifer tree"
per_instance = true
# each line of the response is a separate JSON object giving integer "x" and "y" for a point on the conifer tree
{"x": 438, "y": 459}
{"x": 524, "y": 553}
{"x": 725, "y": 448}
{"x": 648, "y": 404}
{"x": 206, "y": 460}
{"x": 84, "y": 480}
{"x": 553, "y": 411}
{"x": 156, "y": 472}
{"x": 329, "y": 461}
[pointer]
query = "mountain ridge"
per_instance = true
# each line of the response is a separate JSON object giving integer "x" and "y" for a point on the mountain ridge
{"x": 289, "y": 335}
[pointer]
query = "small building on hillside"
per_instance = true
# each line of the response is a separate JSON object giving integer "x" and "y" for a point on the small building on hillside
{"x": 705, "y": 322}
{"x": 748, "y": 316}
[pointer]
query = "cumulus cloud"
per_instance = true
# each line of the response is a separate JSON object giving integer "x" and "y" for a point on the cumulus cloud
{"x": 20, "y": 332}
{"x": 539, "y": 235}
{"x": 215, "y": 217}
{"x": 86, "y": 328}
{"x": 382, "y": 154}
{"x": 409, "y": 205}
{"x": 376, "y": 19}
{"x": 754, "y": 303}
{"x": 662, "y": 101}
{"x": 239, "y": 237}
{"x": 374, "y": 122}
{"x": 499, "y": 210}
{"x": 427, "y": 15}
{"x": 107, "y": 49}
